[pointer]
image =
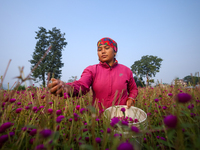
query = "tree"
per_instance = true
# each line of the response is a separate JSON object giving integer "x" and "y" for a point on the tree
{"x": 52, "y": 62}
{"x": 139, "y": 81}
{"x": 72, "y": 79}
{"x": 147, "y": 67}
{"x": 191, "y": 80}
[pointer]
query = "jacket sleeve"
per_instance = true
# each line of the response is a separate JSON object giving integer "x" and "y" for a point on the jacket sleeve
{"x": 132, "y": 87}
{"x": 83, "y": 84}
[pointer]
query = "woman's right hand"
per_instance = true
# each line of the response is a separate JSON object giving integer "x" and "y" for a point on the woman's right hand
{"x": 57, "y": 87}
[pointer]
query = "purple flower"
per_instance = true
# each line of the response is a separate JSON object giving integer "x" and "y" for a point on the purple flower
{"x": 123, "y": 109}
{"x": 24, "y": 128}
{"x": 171, "y": 121}
{"x": 42, "y": 97}
{"x": 116, "y": 135}
{"x": 124, "y": 122}
{"x": 84, "y": 130}
{"x": 125, "y": 146}
{"x": 5, "y": 126}
{"x": 101, "y": 131}
{"x": 3, "y": 104}
{"x": 156, "y": 100}
{"x": 148, "y": 114}
{"x": 97, "y": 119}
{"x": 135, "y": 129}
{"x": 41, "y": 107}
{"x": 164, "y": 107}
{"x": 76, "y": 115}
{"x": 12, "y": 100}
{"x": 162, "y": 138}
{"x": 4, "y": 138}
{"x": 70, "y": 119}
{"x": 34, "y": 109}
{"x": 170, "y": 94}
{"x": 40, "y": 147}
{"x": 87, "y": 138}
{"x": 77, "y": 107}
{"x": 50, "y": 103}
{"x": 59, "y": 118}
{"x": 58, "y": 112}
{"x": 108, "y": 130}
{"x": 18, "y": 110}
{"x": 114, "y": 121}
{"x": 81, "y": 111}
{"x": 46, "y": 133}
{"x": 183, "y": 97}
{"x": 27, "y": 107}
{"x": 33, "y": 132}
{"x": 19, "y": 103}
{"x": 50, "y": 110}
{"x": 32, "y": 140}
{"x": 98, "y": 140}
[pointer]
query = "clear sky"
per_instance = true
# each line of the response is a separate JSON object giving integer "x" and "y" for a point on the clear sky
{"x": 169, "y": 29}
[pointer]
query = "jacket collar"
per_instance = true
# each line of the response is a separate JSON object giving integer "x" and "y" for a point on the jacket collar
{"x": 106, "y": 65}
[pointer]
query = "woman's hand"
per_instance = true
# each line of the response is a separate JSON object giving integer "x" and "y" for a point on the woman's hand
{"x": 57, "y": 87}
{"x": 129, "y": 103}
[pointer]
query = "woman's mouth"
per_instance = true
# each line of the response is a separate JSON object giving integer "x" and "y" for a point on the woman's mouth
{"x": 103, "y": 56}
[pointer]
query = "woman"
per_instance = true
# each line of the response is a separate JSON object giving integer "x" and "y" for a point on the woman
{"x": 111, "y": 83}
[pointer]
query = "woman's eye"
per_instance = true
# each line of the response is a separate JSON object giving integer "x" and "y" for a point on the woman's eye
{"x": 107, "y": 47}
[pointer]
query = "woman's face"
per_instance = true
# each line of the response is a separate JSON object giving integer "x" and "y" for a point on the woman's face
{"x": 106, "y": 54}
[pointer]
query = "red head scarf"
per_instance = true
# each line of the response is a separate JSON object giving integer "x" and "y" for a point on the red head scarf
{"x": 107, "y": 41}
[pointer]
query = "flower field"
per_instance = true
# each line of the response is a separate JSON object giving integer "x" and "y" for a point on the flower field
{"x": 34, "y": 119}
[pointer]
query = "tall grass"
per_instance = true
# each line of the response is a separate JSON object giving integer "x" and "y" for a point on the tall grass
{"x": 73, "y": 123}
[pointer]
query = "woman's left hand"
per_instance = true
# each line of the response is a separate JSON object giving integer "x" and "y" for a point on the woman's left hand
{"x": 129, "y": 103}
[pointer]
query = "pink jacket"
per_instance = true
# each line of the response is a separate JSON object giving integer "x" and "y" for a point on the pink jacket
{"x": 107, "y": 82}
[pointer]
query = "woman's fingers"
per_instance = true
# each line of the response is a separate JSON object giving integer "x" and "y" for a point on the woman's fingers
{"x": 129, "y": 103}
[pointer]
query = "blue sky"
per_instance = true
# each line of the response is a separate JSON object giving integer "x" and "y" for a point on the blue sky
{"x": 168, "y": 29}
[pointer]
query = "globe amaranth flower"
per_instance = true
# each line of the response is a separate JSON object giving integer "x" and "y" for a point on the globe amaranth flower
{"x": 82, "y": 110}
{"x": 162, "y": 138}
{"x": 59, "y": 118}
{"x": 124, "y": 122}
{"x": 76, "y": 115}
{"x": 164, "y": 107}
{"x": 170, "y": 94}
{"x": 98, "y": 139}
{"x": 19, "y": 103}
{"x": 87, "y": 138}
{"x": 32, "y": 140}
{"x": 5, "y": 126}
{"x": 116, "y": 135}
{"x": 77, "y": 107}
{"x": 41, "y": 107}
{"x": 135, "y": 129}
{"x": 183, "y": 97}
{"x": 58, "y": 112}
{"x": 12, "y": 100}
{"x": 125, "y": 146}
{"x": 34, "y": 109}
{"x": 123, "y": 109}
{"x": 40, "y": 147}
{"x": 108, "y": 130}
{"x": 85, "y": 129}
{"x": 171, "y": 121}
{"x": 156, "y": 100}
{"x": 4, "y": 138}
{"x": 114, "y": 121}
{"x": 42, "y": 97}
{"x": 46, "y": 133}
{"x": 50, "y": 111}
{"x": 18, "y": 110}
{"x": 33, "y": 132}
